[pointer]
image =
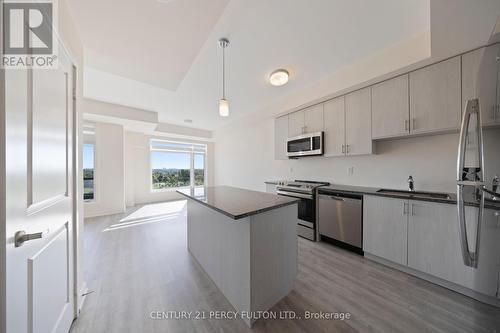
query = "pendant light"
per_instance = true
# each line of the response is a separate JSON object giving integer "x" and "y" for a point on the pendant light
{"x": 223, "y": 102}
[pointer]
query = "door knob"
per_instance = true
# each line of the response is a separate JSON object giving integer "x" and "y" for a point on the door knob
{"x": 21, "y": 236}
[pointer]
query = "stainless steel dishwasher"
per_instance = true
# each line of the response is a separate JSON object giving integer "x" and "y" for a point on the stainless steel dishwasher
{"x": 341, "y": 219}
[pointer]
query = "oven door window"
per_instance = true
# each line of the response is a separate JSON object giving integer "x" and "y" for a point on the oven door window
{"x": 307, "y": 211}
{"x": 299, "y": 145}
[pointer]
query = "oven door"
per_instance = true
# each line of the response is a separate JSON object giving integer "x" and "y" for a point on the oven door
{"x": 306, "y": 210}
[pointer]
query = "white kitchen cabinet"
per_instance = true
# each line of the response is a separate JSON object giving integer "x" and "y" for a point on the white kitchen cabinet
{"x": 435, "y": 97}
{"x": 390, "y": 108}
{"x": 385, "y": 223}
{"x": 296, "y": 123}
{"x": 334, "y": 119}
{"x": 358, "y": 120}
{"x": 489, "y": 77}
{"x": 434, "y": 246}
{"x": 271, "y": 188}
{"x": 280, "y": 137}
{"x": 309, "y": 120}
{"x": 313, "y": 119}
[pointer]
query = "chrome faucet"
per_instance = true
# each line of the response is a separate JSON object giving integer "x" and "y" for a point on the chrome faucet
{"x": 411, "y": 184}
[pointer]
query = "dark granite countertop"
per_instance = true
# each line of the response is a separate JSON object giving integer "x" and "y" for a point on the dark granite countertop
{"x": 361, "y": 190}
{"x": 234, "y": 202}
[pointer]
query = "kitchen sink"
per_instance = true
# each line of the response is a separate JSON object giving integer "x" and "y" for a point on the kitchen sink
{"x": 419, "y": 194}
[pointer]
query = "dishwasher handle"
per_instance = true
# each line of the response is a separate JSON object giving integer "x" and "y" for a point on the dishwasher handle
{"x": 341, "y": 197}
{"x": 331, "y": 197}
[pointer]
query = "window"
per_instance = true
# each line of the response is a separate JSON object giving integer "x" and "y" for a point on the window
{"x": 199, "y": 169}
{"x": 177, "y": 164}
{"x": 88, "y": 162}
{"x": 88, "y": 171}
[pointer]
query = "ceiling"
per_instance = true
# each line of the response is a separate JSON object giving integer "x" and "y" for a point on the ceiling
{"x": 166, "y": 57}
{"x": 152, "y": 41}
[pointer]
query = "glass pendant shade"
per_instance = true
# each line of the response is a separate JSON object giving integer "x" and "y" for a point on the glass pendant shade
{"x": 223, "y": 107}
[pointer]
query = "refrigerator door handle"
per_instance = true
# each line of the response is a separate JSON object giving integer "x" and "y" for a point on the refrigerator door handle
{"x": 470, "y": 257}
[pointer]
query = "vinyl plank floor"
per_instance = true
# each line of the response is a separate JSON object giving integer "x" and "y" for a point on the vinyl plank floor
{"x": 137, "y": 262}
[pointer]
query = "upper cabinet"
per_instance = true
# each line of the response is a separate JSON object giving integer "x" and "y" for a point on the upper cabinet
{"x": 296, "y": 123}
{"x": 435, "y": 97}
{"x": 391, "y": 108}
{"x": 489, "y": 81}
{"x": 347, "y": 122}
{"x": 280, "y": 136}
{"x": 358, "y": 120}
{"x": 334, "y": 138}
{"x": 309, "y": 120}
{"x": 426, "y": 101}
{"x": 314, "y": 119}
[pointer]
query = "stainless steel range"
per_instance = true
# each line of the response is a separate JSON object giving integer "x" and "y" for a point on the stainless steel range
{"x": 306, "y": 192}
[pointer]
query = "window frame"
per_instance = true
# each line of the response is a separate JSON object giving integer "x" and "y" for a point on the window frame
{"x": 191, "y": 151}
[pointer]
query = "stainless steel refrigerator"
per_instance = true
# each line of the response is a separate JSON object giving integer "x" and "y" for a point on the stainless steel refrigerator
{"x": 478, "y": 166}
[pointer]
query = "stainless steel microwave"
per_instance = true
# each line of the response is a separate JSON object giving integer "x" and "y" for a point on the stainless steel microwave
{"x": 309, "y": 144}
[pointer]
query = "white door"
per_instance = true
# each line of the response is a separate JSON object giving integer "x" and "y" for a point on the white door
{"x": 296, "y": 123}
{"x": 313, "y": 119}
{"x": 471, "y": 62}
{"x": 358, "y": 122}
{"x": 435, "y": 97}
{"x": 280, "y": 136}
{"x": 385, "y": 228}
{"x": 390, "y": 108}
{"x": 39, "y": 133}
{"x": 334, "y": 127}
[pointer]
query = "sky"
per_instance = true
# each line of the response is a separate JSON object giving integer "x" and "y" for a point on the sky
{"x": 159, "y": 160}
{"x": 88, "y": 156}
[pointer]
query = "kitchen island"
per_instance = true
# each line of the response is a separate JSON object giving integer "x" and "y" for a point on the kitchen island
{"x": 246, "y": 241}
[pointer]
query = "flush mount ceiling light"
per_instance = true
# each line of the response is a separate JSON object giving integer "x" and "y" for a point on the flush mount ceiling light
{"x": 279, "y": 77}
{"x": 223, "y": 102}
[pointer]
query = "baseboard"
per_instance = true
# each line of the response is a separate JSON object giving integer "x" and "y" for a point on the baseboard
{"x": 490, "y": 300}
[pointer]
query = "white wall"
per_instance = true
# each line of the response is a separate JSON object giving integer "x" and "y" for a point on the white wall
{"x": 138, "y": 172}
{"x": 109, "y": 172}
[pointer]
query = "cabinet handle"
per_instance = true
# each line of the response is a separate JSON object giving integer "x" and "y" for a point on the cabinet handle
{"x": 493, "y": 112}
{"x": 407, "y": 124}
{"x": 412, "y": 210}
{"x": 343, "y": 149}
{"x": 348, "y": 149}
{"x": 414, "y": 122}
{"x": 497, "y": 112}
{"x": 405, "y": 208}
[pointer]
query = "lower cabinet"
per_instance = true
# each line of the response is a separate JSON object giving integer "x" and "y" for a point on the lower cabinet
{"x": 432, "y": 240}
{"x": 385, "y": 226}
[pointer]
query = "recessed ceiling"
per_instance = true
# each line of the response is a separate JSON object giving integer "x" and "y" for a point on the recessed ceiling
{"x": 152, "y": 41}
{"x": 311, "y": 39}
